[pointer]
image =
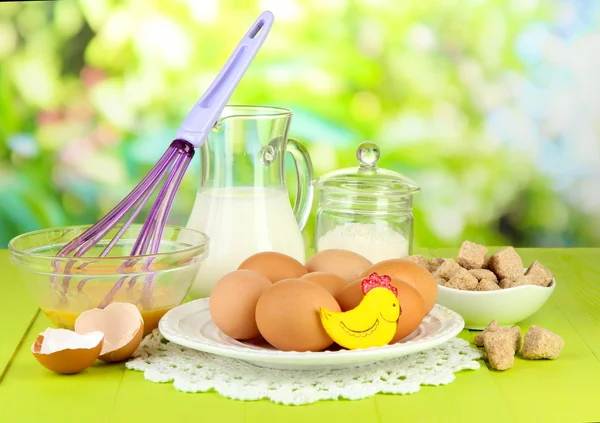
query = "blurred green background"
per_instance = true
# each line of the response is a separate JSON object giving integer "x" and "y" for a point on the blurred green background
{"x": 491, "y": 106}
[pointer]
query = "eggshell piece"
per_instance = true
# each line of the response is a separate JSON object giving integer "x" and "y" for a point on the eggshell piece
{"x": 66, "y": 352}
{"x": 344, "y": 263}
{"x": 411, "y": 305}
{"x": 122, "y": 325}
{"x": 287, "y": 315}
{"x": 275, "y": 266}
{"x": 411, "y": 273}
{"x": 233, "y": 303}
{"x": 331, "y": 282}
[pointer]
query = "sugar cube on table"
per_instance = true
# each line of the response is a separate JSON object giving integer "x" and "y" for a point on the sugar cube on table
{"x": 500, "y": 350}
{"x": 540, "y": 343}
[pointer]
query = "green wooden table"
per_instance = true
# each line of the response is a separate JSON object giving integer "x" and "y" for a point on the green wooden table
{"x": 565, "y": 390}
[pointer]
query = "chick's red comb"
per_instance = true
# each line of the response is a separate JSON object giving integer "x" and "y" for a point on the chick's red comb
{"x": 376, "y": 281}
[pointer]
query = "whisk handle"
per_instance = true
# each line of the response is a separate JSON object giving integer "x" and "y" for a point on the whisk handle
{"x": 200, "y": 120}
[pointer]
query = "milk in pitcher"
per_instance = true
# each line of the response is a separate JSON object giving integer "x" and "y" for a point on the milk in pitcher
{"x": 242, "y": 221}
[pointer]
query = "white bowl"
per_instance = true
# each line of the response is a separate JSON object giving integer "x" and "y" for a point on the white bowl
{"x": 507, "y": 306}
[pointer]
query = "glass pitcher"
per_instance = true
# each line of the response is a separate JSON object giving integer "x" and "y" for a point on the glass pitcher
{"x": 242, "y": 202}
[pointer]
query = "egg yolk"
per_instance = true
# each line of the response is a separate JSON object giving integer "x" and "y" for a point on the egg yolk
{"x": 105, "y": 269}
{"x": 64, "y": 313}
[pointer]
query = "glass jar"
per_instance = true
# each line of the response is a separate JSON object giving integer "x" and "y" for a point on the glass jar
{"x": 365, "y": 209}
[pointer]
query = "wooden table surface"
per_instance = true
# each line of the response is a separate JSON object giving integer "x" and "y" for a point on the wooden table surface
{"x": 564, "y": 390}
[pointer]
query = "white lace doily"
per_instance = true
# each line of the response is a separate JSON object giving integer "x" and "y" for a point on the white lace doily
{"x": 195, "y": 371}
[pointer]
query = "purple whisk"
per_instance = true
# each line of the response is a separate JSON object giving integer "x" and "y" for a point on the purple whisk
{"x": 173, "y": 163}
{"x": 169, "y": 170}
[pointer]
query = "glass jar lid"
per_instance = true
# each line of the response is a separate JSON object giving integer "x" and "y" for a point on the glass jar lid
{"x": 367, "y": 178}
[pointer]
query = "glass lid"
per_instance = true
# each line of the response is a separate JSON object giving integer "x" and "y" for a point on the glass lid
{"x": 367, "y": 178}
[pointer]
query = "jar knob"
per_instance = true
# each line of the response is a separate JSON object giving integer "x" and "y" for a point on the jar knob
{"x": 367, "y": 154}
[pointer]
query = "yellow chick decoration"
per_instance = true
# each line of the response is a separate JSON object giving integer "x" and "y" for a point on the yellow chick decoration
{"x": 372, "y": 323}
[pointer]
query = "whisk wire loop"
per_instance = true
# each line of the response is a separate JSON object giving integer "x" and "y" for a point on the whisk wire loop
{"x": 173, "y": 164}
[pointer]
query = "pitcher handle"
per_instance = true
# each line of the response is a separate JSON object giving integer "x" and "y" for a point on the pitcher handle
{"x": 304, "y": 196}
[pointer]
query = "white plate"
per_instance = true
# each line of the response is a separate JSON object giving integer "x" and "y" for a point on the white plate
{"x": 190, "y": 325}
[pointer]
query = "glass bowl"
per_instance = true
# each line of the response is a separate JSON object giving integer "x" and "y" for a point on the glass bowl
{"x": 64, "y": 287}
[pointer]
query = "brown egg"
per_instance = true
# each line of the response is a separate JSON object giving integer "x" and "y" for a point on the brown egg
{"x": 411, "y": 304}
{"x": 332, "y": 283}
{"x": 411, "y": 273}
{"x": 346, "y": 264}
{"x": 287, "y": 315}
{"x": 275, "y": 266}
{"x": 122, "y": 325}
{"x": 67, "y": 352}
{"x": 233, "y": 303}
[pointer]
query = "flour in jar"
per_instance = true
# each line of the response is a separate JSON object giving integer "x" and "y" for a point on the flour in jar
{"x": 374, "y": 241}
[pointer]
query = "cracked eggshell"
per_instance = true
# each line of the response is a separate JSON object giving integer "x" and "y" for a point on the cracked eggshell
{"x": 66, "y": 352}
{"x": 122, "y": 325}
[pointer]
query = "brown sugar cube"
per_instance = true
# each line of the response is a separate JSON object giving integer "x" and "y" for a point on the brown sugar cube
{"x": 500, "y": 349}
{"x": 462, "y": 280}
{"x": 506, "y": 264}
{"x": 509, "y": 283}
{"x": 540, "y": 274}
{"x": 484, "y": 274}
{"x": 441, "y": 281}
{"x": 487, "y": 285}
{"x": 515, "y": 333}
{"x": 540, "y": 343}
{"x": 486, "y": 262}
{"x": 418, "y": 259}
{"x": 491, "y": 327}
{"x": 516, "y": 337}
{"x": 525, "y": 280}
{"x": 447, "y": 269}
{"x": 471, "y": 255}
{"x": 434, "y": 263}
